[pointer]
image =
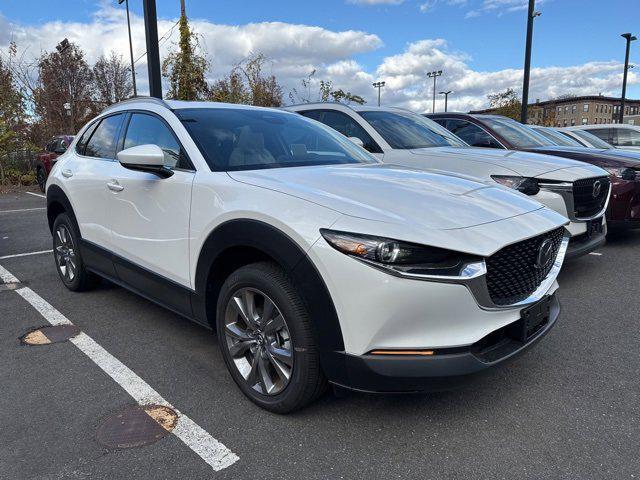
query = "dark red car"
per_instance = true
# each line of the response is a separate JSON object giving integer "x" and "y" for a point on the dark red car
{"x": 495, "y": 131}
{"x": 47, "y": 159}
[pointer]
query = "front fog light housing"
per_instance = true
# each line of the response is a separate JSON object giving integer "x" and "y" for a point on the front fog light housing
{"x": 404, "y": 258}
{"x": 526, "y": 185}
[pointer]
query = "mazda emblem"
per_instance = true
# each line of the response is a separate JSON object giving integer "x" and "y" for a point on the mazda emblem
{"x": 545, "y": 254}
{"x": 597, "y": 188}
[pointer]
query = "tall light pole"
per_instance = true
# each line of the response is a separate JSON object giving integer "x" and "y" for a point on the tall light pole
{"x": 446, "y": 98}
{"x": 133, "y": 67}
{"x": 153, "y": 52}
{"x": 434, "y": 75}
{"x": 379, "y": 86}
{"x": 531, "y": 14}
{"x": 630, "y": 38}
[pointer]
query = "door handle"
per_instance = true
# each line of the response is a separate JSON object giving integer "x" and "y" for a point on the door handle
{"x": 114, "y": 186}
{"x": 67, "y": 173}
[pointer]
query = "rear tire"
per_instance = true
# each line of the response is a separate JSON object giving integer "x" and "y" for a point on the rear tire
{"x": 41, "y": 178}
{"x": 66, "y": 253}
{"x": 267, "y": 340}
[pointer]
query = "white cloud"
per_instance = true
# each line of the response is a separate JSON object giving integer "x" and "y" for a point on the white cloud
{"x": 295, "y": 50}
{"x": 499, "y": 7}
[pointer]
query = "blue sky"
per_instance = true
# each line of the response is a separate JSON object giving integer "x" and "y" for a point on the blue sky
{"x": 479, "y": 43}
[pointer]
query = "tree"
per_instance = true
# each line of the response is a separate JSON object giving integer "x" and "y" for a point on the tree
{"x": 185, "y": 68}
{"x": 12, "y": 111}
{"x": 112, "y": 79}
{"x": 64, "y": 78}
{"x": 247, "y": 84}
{"x": 505, "y": 103}
{"x": 326, "y": 93}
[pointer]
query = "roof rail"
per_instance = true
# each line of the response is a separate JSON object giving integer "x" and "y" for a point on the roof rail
{"x": 145, "y": 99}
{"x": 316, "y": 103}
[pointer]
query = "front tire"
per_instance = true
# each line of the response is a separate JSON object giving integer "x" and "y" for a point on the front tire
{"x": 66, "y": 253}
{"x": 267, "y": 340}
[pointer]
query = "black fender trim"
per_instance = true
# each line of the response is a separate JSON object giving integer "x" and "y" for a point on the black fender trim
{"x": 276, "y": 244}
{"x": 55, "y": 195}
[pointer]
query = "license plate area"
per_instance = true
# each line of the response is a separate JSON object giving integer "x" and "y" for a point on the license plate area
{"x": 533, "y": 319}
{"x": 594, "y": 227}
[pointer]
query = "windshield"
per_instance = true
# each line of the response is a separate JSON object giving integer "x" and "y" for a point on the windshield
{"x": 249, "y": 139}
{"x": 405, "y": 131}
{"x": 520, "y": 136}
{"x": 558, "y": 138}
{"x": 591, "y": 139}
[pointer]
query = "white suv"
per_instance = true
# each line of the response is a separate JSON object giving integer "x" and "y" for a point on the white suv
{"x": 401, "y": 137}
{"x": 621, "y": 135}
{"x": 311, "y": 260}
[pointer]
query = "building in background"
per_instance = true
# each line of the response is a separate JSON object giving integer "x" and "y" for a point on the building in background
{"x": 585, "y": 110}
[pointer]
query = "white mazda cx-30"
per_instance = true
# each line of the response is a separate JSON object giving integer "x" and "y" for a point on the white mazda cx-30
{"x": 313, "y": 261}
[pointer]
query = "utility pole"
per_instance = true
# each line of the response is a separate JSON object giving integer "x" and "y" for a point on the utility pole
{"x": 379, "y": 86}
{"x": 446, "y": 98}
{"x": 630, "y": 38}
{"x": 133, "y": 68}
{"x": 153, "y": 53}
{"x": 531, "y": 14}
{"x": 434, "y": 75}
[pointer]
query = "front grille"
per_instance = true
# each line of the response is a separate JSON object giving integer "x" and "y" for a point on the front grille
{"x": 512, "y": 273}
{"x": 585, "y": 204}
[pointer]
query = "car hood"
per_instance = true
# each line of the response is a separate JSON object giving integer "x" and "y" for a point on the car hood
{"x": 526, "y": 164}
{"x": 595, "y": 156}
{"x": 397, "y": 195}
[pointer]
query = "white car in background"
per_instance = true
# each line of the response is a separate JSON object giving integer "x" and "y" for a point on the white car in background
{"x": 310, "y": 259}
{"x": 620, "y": 135}
{"x": 400, "y": 137}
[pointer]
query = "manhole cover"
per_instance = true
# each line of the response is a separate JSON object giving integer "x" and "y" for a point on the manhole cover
{"x": 137, "y": 426}
{"x": 51, "y": 334}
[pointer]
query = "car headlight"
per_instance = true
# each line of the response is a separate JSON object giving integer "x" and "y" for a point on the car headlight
{"x": 526, "y": 185}
{"x": 405, "y": 258}
{"x": 623, "y": 172}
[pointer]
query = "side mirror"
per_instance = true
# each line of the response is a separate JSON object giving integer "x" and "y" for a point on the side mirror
{"x": 60, "y": 150}
{"x": 357, "y": 141}
{"x": 145, "y": 158}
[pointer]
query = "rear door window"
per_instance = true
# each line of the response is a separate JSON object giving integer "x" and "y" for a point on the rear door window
{"x": 602, "y": 133}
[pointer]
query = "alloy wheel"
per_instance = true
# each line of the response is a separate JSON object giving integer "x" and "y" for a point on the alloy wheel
{"x": 65, "y": 254}
{"x": 258, "y": 339}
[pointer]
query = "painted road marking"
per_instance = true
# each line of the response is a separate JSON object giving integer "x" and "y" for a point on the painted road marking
{"x": 192, "y": 435}
{"x": 26, "y": 254}
{"x": 35, "y": 194}
{"x": 23, "y": 210}
{"x": 596, "y": 254}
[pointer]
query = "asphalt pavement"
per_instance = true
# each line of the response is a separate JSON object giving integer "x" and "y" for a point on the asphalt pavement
{"x": 567, "y": 409}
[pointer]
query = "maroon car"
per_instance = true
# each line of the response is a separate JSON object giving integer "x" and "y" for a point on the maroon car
{"x": 47, "y": 159}
{"x": 495, "y": 131}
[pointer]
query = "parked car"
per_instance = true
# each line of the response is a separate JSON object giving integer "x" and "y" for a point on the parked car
{"x": 587, "y": 139}
{"x": 404, "y": 138}
{"x": 47, "y": 159}
{"x": 504, "y": 133}
{"x": 620, "y": 135}
{"x": 311, "y": 260}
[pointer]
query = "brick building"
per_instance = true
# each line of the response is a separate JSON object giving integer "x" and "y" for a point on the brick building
{"x": 585, "y": 110}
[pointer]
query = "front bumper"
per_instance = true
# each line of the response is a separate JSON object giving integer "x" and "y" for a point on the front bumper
{"x": 442, "y": 371}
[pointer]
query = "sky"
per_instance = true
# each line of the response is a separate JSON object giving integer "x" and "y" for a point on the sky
{"x": 478, "y": 44}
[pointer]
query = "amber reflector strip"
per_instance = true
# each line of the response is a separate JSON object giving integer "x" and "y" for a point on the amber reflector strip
{"x": 402, "y": 352}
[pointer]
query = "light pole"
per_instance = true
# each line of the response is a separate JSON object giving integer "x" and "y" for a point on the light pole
{"x": 153, "y": 53}
{"x": 434, "y": 75}
{"x": 133, "y": 68}
{"x": 68, "y": 107}
{"x": 446, "y": 98}
{"x": 531, "y": 14}
{"x": 630, "y": 38}
{"x": 379, "y": 86}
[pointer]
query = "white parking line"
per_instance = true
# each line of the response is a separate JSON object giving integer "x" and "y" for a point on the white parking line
{"x": 192, "y": 435}
{"x": 28, "y": 254}
{"x": 23, "y": 210}
{"x": 35, "y": 194}
{"x": 597, "y": 254}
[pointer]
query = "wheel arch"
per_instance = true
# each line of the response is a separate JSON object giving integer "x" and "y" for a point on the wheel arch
{"x": 57, "y": 203}
{"x": 240, "y": 242}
